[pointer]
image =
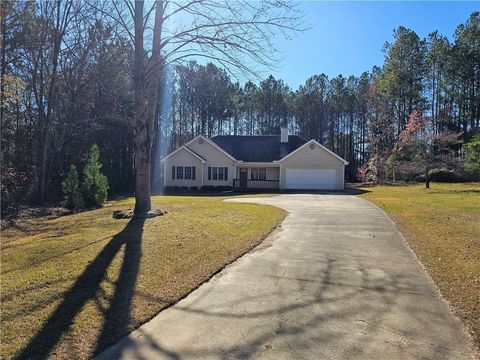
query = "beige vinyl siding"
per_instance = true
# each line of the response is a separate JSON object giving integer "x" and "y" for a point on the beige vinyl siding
{"x": 318, "y": 158}
{"x": 273, "y": 173}
{"x": 213, "y": 157}
{"x": 183, "y": 158}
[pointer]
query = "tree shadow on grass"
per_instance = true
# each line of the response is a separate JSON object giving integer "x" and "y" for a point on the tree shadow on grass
{"x": 356, "y": 191}
{"x": 454, "y": 191}
{"x": 87, "y": 287}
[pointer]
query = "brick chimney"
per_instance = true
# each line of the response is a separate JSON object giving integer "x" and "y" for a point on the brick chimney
{"x": 284, "y": 135}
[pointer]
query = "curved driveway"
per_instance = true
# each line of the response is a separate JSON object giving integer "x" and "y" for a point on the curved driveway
{"x": 336, "y": 281}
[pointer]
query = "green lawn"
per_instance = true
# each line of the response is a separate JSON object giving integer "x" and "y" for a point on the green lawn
{"x": 76, "y": 284}
{"x": 442, "y": 226}
{"x": 253, "y": 195}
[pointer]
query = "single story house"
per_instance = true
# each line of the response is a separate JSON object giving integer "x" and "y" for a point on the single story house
{"x": 255, "y": 162}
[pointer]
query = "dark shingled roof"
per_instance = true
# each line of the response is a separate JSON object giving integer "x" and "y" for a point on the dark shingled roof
{"x": 258, "y": 148}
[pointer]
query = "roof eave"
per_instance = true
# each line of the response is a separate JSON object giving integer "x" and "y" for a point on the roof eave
{"x": 214, "y": 144}
{"x": 183, "y": 147}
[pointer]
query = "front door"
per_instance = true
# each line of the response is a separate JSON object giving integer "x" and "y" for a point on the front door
{"x": 243, "y": 178}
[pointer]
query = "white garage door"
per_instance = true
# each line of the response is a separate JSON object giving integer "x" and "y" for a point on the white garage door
{"x": 311, "y": 179}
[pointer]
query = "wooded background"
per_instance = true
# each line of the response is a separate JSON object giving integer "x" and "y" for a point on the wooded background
{"x": 67, "y": 84}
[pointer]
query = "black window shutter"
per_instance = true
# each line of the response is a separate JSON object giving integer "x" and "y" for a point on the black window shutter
{"x": 193, "y": 172}
{"x": 209, "y": 173}
{"x": 173, "y": 172}
{"x": 225, "y": 176}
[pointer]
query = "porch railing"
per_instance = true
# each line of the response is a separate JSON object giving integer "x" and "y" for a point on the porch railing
{"x": 256, "y": 185}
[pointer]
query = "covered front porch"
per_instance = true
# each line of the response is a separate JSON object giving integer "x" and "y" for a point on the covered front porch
{"x": 257, "y": 176}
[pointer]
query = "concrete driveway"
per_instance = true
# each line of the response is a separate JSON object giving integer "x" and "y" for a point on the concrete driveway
{"x": 336, "y": 281}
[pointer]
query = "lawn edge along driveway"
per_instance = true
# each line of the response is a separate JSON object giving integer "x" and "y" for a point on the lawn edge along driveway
{"x": 74, "y": 285}
{"x": 441, "y": 227}
{"x": 337, "y": 281}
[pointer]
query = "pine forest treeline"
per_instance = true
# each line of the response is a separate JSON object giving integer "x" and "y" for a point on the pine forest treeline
{"x": 67, "y": 84}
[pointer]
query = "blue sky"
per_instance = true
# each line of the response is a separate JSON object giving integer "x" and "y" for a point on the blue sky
{"x": 347, "y": 37}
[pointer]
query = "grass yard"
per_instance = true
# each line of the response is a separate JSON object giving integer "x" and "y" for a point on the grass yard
{"x": 76, "y": 284}
{"x": 442, "y": 226}
{"x": 254, "y": 195}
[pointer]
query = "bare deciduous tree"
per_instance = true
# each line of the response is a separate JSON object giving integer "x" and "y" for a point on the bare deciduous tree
{"x": 46, "y": 37}
{"x": 236, "y": 34}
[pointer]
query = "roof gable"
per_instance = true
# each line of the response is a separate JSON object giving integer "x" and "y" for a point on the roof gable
{"x": 183, "y": 147}
{"x": 255, "y": 148}
{"x": 192, "y": 144}
{"x": 320, "y": 146}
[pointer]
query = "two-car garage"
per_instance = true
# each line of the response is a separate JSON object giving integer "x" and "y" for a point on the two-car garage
{"x": 324, "y": 179}
{"x": 312, "y": 167}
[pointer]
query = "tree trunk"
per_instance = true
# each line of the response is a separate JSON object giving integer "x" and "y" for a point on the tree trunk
{"x": 146, "y": 99}
{"x": 427, "y": 178}
{"x": 42, "y": 163}
{"x": 45, "y": 116}
{"x": 142, "y": 173}
{"x": 3, "y": 67}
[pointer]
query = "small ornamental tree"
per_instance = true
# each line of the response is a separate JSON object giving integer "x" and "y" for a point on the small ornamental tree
{"x": 377, "y": 168}
{"x": 419, "y": 149}
{"x": 472, "y": 155}
{"x": 95, "y": 184}
{"x": 362, "y": 173}
{"x": 71, "y": 189}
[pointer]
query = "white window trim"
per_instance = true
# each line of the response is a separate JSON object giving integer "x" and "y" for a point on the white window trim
{"x": 217, "y": 170}
{"x": 177, "y": 168}
{"x": 184, "y": 172}
{"x": 258, "y": 173}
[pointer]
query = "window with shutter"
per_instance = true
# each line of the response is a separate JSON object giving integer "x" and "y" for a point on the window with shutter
{"x": 173, "y": 172}
{"x": 219, "y": 173}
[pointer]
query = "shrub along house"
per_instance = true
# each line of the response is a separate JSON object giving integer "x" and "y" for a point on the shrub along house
{"x": 254, "y": 162}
